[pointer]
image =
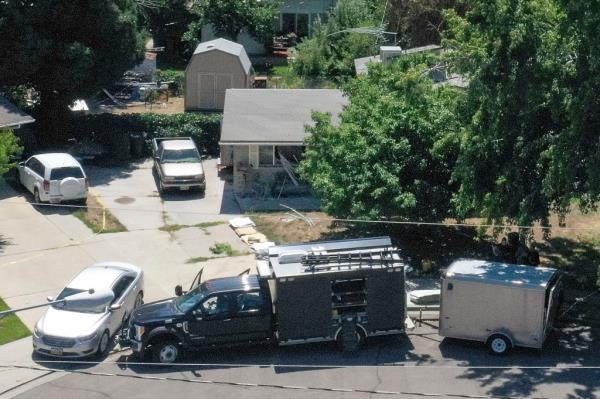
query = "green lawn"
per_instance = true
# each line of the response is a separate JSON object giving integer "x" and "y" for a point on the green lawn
{"x": 11, "y": 328}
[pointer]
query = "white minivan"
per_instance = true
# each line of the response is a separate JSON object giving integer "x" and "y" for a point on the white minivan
{"x": 54, "y": 178}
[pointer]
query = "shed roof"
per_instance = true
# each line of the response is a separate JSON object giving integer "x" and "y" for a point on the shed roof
{"x": 275, "y": 116}
{"x": 501, "y": 273}
{"x": 11, "y": 116}
{"x": 226, "y": 46}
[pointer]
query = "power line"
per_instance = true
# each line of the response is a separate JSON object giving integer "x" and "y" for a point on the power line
{"x": 330, "y": 219}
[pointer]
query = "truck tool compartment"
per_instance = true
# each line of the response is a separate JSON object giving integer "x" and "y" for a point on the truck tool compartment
{"x": 317, "y": 286}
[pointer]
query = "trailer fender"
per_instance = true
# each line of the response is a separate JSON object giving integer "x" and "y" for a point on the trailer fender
{"x": 503, "y": 332}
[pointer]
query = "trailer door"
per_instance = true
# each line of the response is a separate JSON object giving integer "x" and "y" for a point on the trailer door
{"x": 552, "y": 304}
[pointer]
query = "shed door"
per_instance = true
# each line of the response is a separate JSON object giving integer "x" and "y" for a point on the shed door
{"x": 206, "y": 90}
{"x": 224, "y": 82}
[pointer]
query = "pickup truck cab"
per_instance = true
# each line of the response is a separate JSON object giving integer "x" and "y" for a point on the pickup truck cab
{"x": 178, "y": 164}
{"x": 218, "y": 312}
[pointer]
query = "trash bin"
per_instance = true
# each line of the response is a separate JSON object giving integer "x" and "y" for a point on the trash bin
{"x": 136, "y": 144}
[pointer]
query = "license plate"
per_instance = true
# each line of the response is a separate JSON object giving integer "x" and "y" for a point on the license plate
{"x": 56, "y": 351}
{"x": 183, "y": 188}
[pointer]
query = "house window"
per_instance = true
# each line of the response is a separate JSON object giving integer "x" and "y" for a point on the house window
{"x": 265, "y": 155}
{"x": 288, "y": 23}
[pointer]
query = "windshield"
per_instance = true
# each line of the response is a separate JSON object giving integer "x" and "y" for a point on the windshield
{"x": 177, "y": 156}
{"x": 190, "y": 300}
{"x": 67, "y": 292}
{"x": 70, "y": 171}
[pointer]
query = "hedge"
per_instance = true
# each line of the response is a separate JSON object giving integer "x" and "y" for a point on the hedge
{"x": 114, "y": 131}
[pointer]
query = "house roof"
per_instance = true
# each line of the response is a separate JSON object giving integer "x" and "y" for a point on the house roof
{"x": 361, "y": 64}
{"x": 11, "y": 116}
{"x": 275, "y": 116}
{"x": 501, "y": 273}
{"x": 228, "y": 47}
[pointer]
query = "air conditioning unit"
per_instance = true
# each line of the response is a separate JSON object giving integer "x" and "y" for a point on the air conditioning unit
{"x": 389, "y": 53}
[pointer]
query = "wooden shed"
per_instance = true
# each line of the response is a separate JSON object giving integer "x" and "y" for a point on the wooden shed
{"x": 215, "y": 66}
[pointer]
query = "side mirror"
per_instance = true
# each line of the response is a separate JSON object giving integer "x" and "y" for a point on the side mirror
{"x": 22, "y": 163}
{"x": 178, "y": 290}
{"x": 49, "y": 298}
{"x": 115, "y": 306}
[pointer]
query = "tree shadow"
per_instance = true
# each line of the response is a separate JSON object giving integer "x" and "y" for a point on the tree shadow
{"x": 104, "y": 173}
{"x": 524, "y": 371}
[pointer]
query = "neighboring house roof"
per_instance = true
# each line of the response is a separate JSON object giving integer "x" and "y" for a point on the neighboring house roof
{"x": 361, "y": 64}
{"x": 11, "y": 116}
{"x": 275, "y": 116}
{"x": 228, "y": 47}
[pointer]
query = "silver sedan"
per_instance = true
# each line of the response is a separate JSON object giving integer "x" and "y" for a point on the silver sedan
{"x": 77, "y": 331}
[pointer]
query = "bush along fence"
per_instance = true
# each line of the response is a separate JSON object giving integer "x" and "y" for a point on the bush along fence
{"x": 130, "y": 135}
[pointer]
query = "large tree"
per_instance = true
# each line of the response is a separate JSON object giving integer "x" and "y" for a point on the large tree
{"x": 66, "y": 48}
{"x": 230, "y": 17}
{"x": 9, "y": 148}
{"x": 514, "y": 114}
{"x": 168, "y": 21}
{"x": 392, "y": 154}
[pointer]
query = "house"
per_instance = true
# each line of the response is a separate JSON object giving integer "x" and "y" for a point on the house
{"x": 12, "y": 117}
{"x": 263, "y": 131}
{"x": 387, "y": 54}
{"x": 295, "y": 16}
{"x": 215, "y": 66}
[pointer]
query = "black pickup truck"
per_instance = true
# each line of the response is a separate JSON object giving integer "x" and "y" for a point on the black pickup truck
{"x": 343, "y": 291}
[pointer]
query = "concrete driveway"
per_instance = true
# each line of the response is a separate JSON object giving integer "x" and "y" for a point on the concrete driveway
{"x": 132, "y": 195}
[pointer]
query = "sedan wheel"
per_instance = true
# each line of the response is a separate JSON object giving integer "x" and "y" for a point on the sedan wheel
{"x": 139, "y": 301}
{"x": 103, "y": 344}
{"x": 36, "y": 196}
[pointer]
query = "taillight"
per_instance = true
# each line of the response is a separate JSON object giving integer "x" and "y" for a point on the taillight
{"x": 46, "y": 185}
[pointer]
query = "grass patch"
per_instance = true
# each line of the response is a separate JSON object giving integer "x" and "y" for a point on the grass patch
{"x": 169, "y": 228}
{"x": 284, "y": 77}
{"x": 98, "y": 218}
{"x": 11, "y": 327}
{"x": 198, "y": 259}
{"x": 223, "y": 248}
{"x": 176, "y": 227}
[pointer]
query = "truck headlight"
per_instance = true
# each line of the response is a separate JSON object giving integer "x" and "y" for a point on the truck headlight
{"x": 199, "y": 177}
{"x": 169, "y": 178}
{"x": 139, "y": 332}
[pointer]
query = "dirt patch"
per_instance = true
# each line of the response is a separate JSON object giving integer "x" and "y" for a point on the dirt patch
{"x": 98, "y": 218}
{"x": 174, "y": 105}
{"x": 281, "y": 228}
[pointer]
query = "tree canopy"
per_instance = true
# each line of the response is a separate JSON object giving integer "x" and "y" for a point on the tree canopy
{"x": 392, "y": 154}
{"x": 65, "y": 49}
{"x": 229, "y": 17}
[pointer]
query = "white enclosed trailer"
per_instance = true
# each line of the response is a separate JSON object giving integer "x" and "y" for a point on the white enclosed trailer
{"x": 500, "y": 304}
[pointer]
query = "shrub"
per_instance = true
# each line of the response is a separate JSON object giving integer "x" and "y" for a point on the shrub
{"x": 175, "y": 76}
{"x": 113, "y": 131}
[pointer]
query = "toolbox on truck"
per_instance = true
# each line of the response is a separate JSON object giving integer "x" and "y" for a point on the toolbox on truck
{"x": 320, "y": 290}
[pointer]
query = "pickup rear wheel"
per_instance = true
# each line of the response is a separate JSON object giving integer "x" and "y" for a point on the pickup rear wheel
{"x": 165, "y": 351}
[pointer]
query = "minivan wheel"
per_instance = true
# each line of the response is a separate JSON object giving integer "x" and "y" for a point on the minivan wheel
{"x": 165, "y": 352}
{"x": 499, "y": 344}
{"x": 103, "y": 344}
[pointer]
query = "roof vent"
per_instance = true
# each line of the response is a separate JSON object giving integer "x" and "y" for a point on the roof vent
{"x": 210, "y": 46}
{"x": 388, "y": 53}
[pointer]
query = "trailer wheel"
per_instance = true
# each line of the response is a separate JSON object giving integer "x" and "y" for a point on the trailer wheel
{"x": 350, "y": 338}
{"x": 499, "y": 344}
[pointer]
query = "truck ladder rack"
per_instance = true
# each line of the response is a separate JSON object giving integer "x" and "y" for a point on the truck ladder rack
{"x": 318, "y": 262}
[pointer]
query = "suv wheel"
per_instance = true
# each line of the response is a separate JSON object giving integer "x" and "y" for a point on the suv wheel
{"x": 165, "y": 352}
{"x": 36, "y": 196}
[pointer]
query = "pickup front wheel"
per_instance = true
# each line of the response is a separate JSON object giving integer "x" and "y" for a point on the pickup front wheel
{"x": 165, "y": 352}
